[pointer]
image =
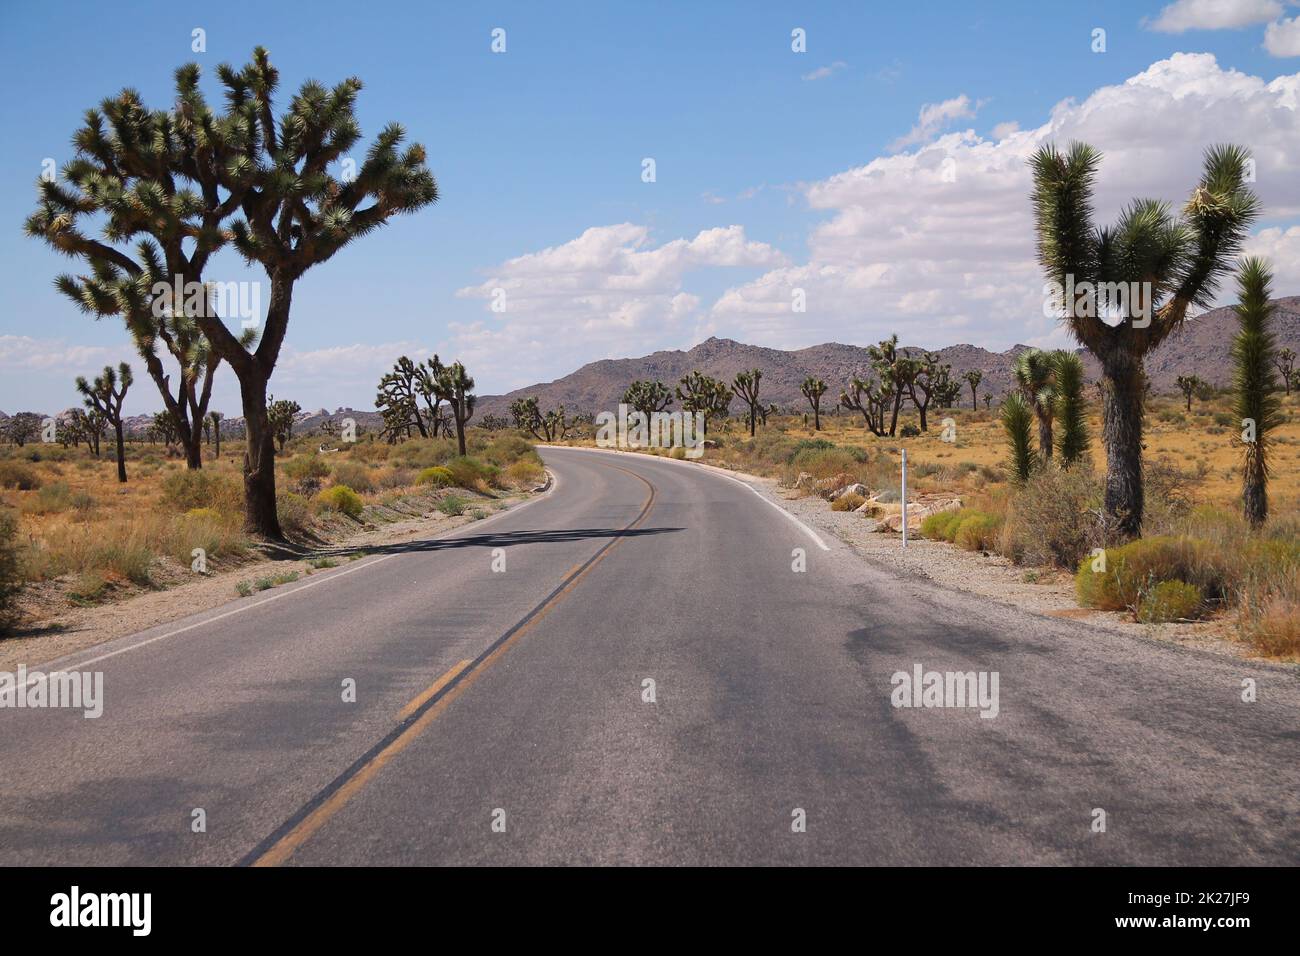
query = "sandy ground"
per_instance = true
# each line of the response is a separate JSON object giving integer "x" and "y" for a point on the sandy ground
{"x": 54, "y": 628}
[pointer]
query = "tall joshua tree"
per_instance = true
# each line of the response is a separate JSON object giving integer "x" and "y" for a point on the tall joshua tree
{"x": 191, "y": 180}
{"x": 1035, "y": 374}
{"x": 1167, "y": 263}
{"x": 813, "y": 389}
{"x": 745, "y": 388}
{"x": 456, "y": 387}
{"x": 701, "y": 393}
{"x": 1284, "y": 362}
{"x": 105, "y": 396}
{"x": 973, "y": 379}
{"x": 1255, "y": 400}
{"x": 648, "y": 397}
{"x": 1189, "y": 385}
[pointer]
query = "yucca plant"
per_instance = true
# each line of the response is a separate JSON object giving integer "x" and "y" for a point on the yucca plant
{"x": 1018, "y": 422}
{"x": 1072, "y": 439}
{"x": 1255, "y": 399}
{"x": 1173, "y": 262}
{"x": 1035, "y": 375}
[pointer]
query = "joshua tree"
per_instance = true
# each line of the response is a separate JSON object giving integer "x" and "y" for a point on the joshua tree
{"x": 1255, "y": 399}
{"x": 164, "y": 427}
{"x": 746, "y": 389}
{"x": 105, "y": 397}
{"x": 1035, "y": 374}
{"x": 279, "y": 418}
{"x": 549, "y": 426}
{"x": 1145, "y": 273}
{"x": 399, "y": 393}
{"x": 893, "y": 372}
{"x": 700, "y": 393}
{"x": 813, "y": 389}
{"x": 648, "y": 397}
{"x": 215, "y": 418}
{"x": 932, "y": 380}
{"x": 1284, "y": 362}
{"x": 1018, "y": 422}
{"x": 1072, "y": 439}
{"x": 176, "y": 178}
{"x": 869, "y": 398}
{"x": 455, "y": 387}
{"x": 973, "y": 378}
{"x": 23, "y": 427}
{"x": 1190, "y": 385}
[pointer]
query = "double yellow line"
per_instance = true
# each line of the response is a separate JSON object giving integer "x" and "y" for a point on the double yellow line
{"x": 423, "y": 710}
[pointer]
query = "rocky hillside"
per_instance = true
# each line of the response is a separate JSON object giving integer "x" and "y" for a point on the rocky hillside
{"x": 1201, "y": 346}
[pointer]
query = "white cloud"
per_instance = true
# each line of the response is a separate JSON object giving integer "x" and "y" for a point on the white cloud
{"x": 56, "y": 356}
{"x": 1187, "y": 15}
{"x": 822, "y": 72}
{"x": 1003, "y": 130}
{"x": 933, "y": 118}
{"x": 1283, "y": 38}
{"x": 610, "y": 291}
{"x": 1281, "y": 247}
{"x": 937, "y": 243}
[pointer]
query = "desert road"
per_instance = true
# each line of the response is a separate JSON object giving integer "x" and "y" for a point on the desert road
{"x": 503, "y": 714}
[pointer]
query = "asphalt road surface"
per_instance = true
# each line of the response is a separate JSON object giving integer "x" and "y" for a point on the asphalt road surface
{"x": 501, "y": 712}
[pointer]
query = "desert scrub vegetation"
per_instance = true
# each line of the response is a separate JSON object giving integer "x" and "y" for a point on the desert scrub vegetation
{"x": 342, "y": 499}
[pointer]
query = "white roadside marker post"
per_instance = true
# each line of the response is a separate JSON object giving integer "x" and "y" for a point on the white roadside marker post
{"x": 903, "y": 496}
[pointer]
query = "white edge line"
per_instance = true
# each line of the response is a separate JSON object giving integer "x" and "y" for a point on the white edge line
{"x": 55, "y": 665}
{"x": 709, "y": 470}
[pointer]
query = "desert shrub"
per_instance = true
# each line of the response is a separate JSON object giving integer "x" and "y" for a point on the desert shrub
{"x": 467, "y": 472}
{"x": 10, "y": 574}
{"x": 17, "y": 476}
{"x": 678, "y": 453}
{"x": 50, "y": 499}
{"x": 910, "y": 431}
{"x": 1135, "y": 568}
{"x": 342, "y": 499}
{"x": 525, "y": 471}
{"x": 823, "y": 462}
{"x": 370, "y": 451}
{"x": 452, "y": 505}
{"x": 294, "y": 512}
{"x": 354, "y": 475}
{"x": 809, "y": 444}
{"x": 395, "y": 477}
{"x": 507, "y": 448}
{"x": 306, "y": 472}
{"x": 185, "y": 490}
{"x": 207, "y": 529}
{"x": 438, "y": 476}
{"x": 849, "y": 501}
{"x": 424, "y": 452}
{"x": 1273, "y": 627}
{"x": 935, "y": 526}
{"x": 976, "y": 530}
{"x": 1170, "y": 601}
{"x": 1053, "y": 518}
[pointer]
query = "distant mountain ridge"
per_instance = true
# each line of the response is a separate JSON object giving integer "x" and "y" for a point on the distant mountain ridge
{"x": 1199, "y": 347}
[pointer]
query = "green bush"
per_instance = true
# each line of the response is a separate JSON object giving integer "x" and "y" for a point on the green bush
{"x": 306, "y": 472}
{"x": 439, "y": 476}
{"x": 16, "y": 476}
{"x": 342, "y": 499}
{"x": 187, "y": 489}
{"x": 1170, "y": 601}
{"x": 935, "y": 526}
{"x": 1135, "y": 568}
{"x": 467, "y": 472}
{"x": 452, "y": 505}
{"x": 849, "y": 501}
{"x": 976, "y": 531}
{"x": 354, "y": 475}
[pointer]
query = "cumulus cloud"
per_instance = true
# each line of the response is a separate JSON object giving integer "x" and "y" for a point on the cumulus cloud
{"x": 1187, "y": 15}
{"x": 933, "y": 118}
{"x": 25, "y": 353}
{"x": 609, "y": 291}
{"x": 1283, "y": 38}
{"x": 937, "y": 243}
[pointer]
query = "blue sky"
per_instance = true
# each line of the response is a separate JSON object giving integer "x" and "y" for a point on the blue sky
{"x": 755, "y": 149}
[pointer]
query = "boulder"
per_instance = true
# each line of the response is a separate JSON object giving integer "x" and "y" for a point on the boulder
{"x": 857, "y": 488}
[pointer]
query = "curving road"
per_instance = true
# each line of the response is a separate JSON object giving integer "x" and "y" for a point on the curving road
{"x": 500, "y": 714}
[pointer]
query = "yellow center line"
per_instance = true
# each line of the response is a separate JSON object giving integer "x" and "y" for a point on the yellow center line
{"x": 450, "y": 686}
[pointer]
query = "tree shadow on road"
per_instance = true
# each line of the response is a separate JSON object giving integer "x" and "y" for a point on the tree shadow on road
{"x": 511, "y": 539}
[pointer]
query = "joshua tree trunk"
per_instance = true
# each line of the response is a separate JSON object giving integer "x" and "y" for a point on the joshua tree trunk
{"x": 121, "y": 451}
{"x": 259, "y": 460}
{"x": 817, "y": 417}
{"x": 1254, "y": 489}
{"x": 1122, "y": 414}
{"x": 1045, "y": 437}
